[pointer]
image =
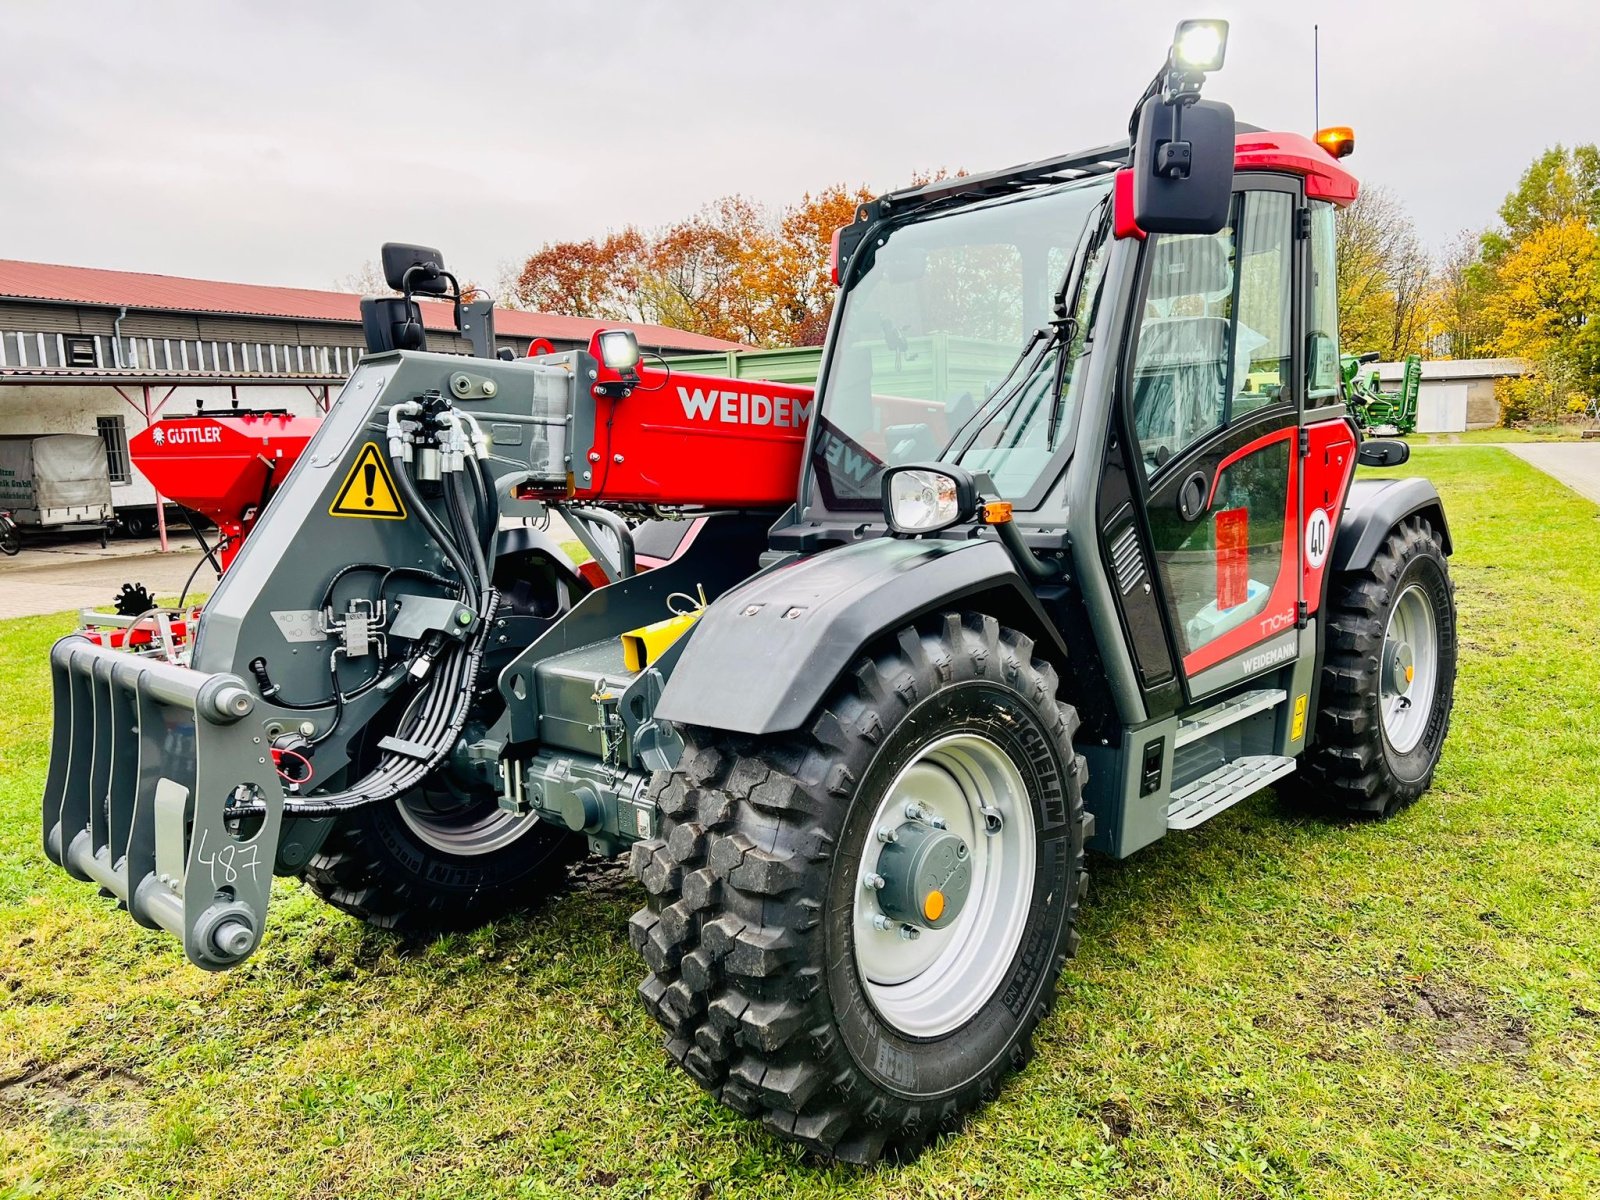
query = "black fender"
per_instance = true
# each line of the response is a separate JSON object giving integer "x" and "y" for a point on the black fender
{"x": 1375, "y": 506}
{"x": 763, "y": 656}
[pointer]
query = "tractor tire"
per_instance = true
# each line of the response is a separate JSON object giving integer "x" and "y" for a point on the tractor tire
{"x": 1391, "y": 632}
{"x": 758, "y": 930}
{"x": 413, "y": 876}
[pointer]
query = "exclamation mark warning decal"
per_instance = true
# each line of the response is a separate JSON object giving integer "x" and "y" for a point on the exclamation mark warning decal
{"x": 369, "y": 490}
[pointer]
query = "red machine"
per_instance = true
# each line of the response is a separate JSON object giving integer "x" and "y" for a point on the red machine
{"x": 668, "y": 437}
{"x": 222, "y": 465}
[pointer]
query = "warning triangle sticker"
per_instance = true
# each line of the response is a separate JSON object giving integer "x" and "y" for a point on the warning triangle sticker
{"x": 369, "y": 490}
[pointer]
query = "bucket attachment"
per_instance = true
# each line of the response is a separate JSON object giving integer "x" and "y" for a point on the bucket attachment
{"x": 146, "y": 759}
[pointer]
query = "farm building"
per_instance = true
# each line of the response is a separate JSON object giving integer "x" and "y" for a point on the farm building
{"x": 84, "y": 350}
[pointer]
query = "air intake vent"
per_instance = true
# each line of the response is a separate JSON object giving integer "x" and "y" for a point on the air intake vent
{"x": 1127, "y": 560}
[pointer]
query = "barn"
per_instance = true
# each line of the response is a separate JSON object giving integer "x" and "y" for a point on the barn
{"x": 85, "y": 350}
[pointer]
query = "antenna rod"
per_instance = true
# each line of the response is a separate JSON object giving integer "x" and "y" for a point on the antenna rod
{"x": 1316, "y": 78}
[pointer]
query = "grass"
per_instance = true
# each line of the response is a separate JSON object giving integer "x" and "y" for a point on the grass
{"x": 1272, "y": 1005}
{"x": 1478, "y": 437}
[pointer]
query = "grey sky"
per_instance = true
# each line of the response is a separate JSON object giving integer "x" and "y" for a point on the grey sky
{"x": 281, "y": 143}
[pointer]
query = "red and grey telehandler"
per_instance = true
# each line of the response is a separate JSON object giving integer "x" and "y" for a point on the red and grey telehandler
{"x": 1065, "y": 552}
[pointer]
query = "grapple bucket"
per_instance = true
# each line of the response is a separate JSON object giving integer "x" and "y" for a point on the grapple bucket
{"x": 146, "y": 760}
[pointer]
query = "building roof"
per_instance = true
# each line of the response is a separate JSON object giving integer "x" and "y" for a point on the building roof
{"x": 113, "y": 376}
{"x": 117, "y": 289}
{"x": 1453, "y": 368}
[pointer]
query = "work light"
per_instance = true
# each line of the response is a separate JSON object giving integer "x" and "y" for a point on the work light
{"x": 1200, "y": 45}
{"x": 619, "y": 349}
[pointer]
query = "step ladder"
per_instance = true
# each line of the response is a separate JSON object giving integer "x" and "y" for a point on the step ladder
{"x": 1199, "y": 801}
{"x": 1230, "y": 711}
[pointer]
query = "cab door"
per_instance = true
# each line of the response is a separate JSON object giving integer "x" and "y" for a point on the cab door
{"x": 1211, "y": 392}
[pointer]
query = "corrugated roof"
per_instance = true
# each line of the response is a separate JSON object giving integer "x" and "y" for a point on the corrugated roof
{"x": 133, "y": 376}
{"x": 171, "y": 293}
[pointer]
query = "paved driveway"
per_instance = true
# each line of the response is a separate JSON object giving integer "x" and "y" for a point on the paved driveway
{"x": 1576, "y": 464}
{"x": 65, "y": 575}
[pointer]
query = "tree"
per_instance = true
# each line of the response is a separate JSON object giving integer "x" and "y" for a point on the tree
{"x": 1560, "y": 185}
{"x": 368, "y": 280}
{"x": 1384, "y": 276}
{"x": 601, "y": 278}
{"x": 1546, "y": 300}
{"x": 733, "y": 270}
{"x": 1464, "y": 283}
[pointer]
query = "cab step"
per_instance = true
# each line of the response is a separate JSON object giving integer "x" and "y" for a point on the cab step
{"x": 1197, "y": 802}
{"x": 1230, "y": 711}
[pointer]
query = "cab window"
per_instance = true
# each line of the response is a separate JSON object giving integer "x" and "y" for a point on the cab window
{"x": 1213, "y": 344}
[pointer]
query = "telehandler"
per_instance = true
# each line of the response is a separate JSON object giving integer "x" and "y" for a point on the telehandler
{"x": 1065, "y": 552}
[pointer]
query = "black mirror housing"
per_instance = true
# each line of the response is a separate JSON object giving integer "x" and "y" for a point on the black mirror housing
{"x": 1382, "y": 452}
{"x": 1183, "y": 166}
{"x": 392, "y": 323}
{"x": 428, "y": 278}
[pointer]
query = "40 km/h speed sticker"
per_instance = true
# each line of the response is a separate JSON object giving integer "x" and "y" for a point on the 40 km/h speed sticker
{"x": 369, "y": 490}
{"x": 1319, "y": 532}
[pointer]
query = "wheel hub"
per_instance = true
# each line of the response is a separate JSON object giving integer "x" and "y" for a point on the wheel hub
{"x": 1401, "y": 668}
{"x": 944, "y": 884}
{"x": 926, "y": 873}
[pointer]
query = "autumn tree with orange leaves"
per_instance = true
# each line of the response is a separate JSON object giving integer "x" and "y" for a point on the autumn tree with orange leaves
{"x": 733, "y": 270}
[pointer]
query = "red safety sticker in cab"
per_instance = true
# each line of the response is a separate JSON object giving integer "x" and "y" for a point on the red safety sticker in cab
{"x": 1232, "y": 531}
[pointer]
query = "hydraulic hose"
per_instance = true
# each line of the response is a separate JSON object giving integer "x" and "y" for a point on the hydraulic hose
{"x": 437, "y": 721}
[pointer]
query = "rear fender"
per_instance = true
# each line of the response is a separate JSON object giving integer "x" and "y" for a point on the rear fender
{"x": 1373, "y": 508}
{"x": 764, "y": 656}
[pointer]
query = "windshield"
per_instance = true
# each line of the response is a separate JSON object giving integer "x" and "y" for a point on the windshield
{"x": 946, "y": 350}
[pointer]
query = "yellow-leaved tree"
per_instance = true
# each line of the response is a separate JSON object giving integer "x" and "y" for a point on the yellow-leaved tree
{"x": 1546, "y": 308}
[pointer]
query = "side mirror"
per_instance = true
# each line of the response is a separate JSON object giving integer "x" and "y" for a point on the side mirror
{"x": 1382, "y": 452}
{"x": 408, "y": 269}
{"x": 1183, "y": 166}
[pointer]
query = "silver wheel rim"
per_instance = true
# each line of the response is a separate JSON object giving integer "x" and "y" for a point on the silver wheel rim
{"x": 460, "y": 833}
{"x": 931, "y": 985}
{"x": 1409, "y": 669}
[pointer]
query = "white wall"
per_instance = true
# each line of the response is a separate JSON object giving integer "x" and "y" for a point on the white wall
{"x": 72, "y": 408}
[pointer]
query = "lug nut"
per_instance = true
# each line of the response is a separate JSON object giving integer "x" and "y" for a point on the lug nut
{"x": 879, "y": 921}
{"x": 910, "y": 933}
{"x": 887, "y": 834}
{"x": 873, "y": 882}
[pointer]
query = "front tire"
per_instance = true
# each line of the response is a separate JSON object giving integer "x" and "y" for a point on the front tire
{"x": 1388, "y": 681}
{"x": 784, "y": 988}
{"x": 417, "y": 866}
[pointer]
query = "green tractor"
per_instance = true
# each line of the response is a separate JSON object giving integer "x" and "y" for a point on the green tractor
{"x": 1377, "y": 412}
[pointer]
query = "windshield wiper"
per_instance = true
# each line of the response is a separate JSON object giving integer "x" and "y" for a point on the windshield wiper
{"x": 1060, "y": 331}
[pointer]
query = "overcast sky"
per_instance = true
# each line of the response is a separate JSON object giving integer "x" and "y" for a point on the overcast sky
{"x": 283, "y": 142}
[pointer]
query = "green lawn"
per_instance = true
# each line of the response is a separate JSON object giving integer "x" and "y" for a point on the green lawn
{"x": 1269, "y": 1006}
{"x": 1533, "y": 433}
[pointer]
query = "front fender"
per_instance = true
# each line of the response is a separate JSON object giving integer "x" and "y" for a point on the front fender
{"x": 765, "y": 654}
{"x": 1374, "y": 507}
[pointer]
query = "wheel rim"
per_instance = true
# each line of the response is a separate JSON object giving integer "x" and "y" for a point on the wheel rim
{"x": 465, "y": 832}
{"x": 1409, "y": 669}
{"x": 936, "y": 982}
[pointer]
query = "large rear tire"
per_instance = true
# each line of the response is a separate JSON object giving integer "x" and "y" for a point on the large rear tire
{"x": 417, "y": 866}
{"x": 1388, "y": 682}
{"x": 783, "y": 985}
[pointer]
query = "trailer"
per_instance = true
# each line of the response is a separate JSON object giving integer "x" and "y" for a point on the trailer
{"x": 56, "y": 482}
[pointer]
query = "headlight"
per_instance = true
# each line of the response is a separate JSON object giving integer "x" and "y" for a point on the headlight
{"x": 926, "y": 499}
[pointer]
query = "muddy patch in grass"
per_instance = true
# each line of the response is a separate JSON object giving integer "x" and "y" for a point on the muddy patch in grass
{"x": 83, "y": 1099}
{"x": 1439, "y": 1018}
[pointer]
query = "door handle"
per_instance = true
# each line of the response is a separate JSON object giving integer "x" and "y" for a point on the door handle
{"x": 1193, "y": 493}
